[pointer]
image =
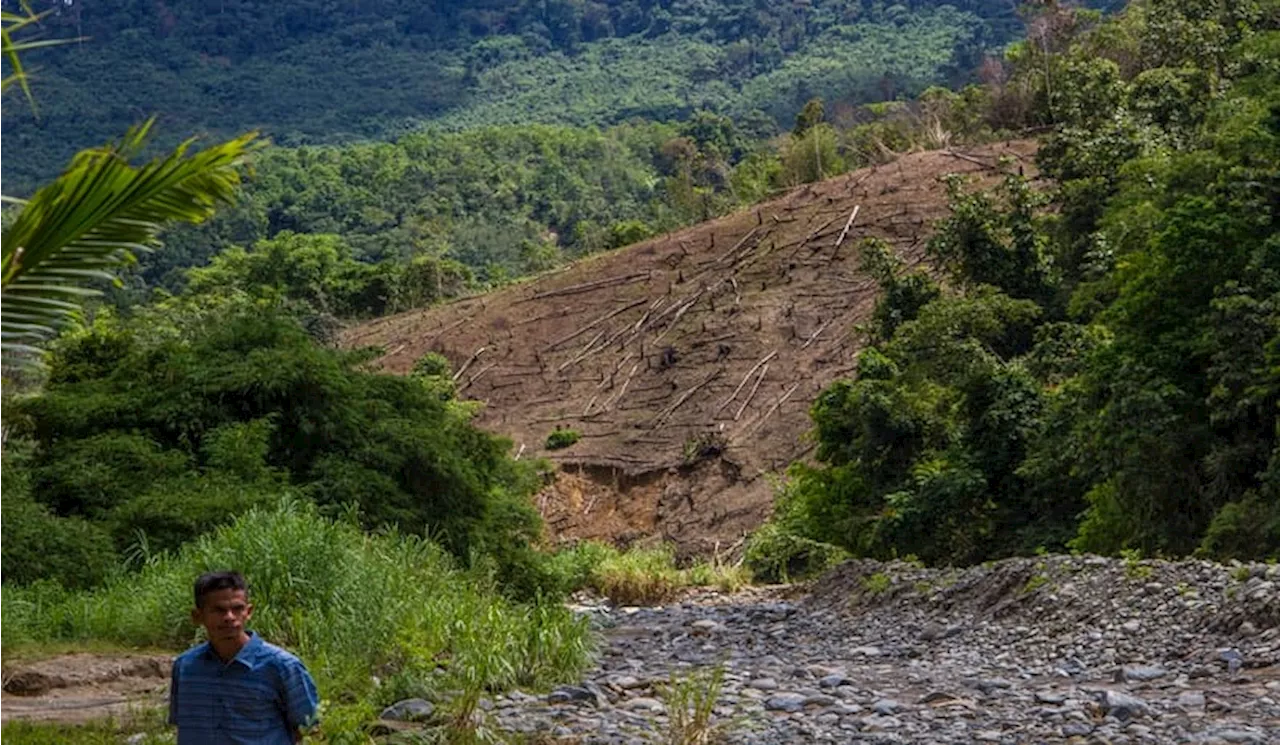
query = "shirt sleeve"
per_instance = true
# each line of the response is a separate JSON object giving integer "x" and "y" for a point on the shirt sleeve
{"x": 173, "y": 694}
{"x": 301, "y": 702}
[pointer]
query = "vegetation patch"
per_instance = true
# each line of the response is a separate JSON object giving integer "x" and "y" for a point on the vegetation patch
{"x": 346, "y": 602}
{"x": 562, "y": 438}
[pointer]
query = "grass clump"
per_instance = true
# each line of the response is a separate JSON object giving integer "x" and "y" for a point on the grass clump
{"x": 562, "y": 438}
{"x": 691, "y": 701}
{"x": 641, "y": 576}
{"x": 1133, "y": 567}
{"x": 876, "y": 584}
{"x": 351, "y": 605}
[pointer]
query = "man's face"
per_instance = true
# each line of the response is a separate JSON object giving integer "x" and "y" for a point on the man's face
{"x": 223, "y": 614}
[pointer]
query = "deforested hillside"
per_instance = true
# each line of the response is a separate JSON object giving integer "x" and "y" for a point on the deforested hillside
{"x": 687, "y": 363}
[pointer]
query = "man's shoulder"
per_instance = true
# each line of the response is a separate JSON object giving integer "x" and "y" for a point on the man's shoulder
{"x": 191, "y": 655}
{"x": 278, "y": 655}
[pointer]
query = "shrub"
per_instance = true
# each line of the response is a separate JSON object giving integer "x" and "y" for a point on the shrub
{"x": 562, "y": 438}
{"x": 37, "y": 545}
{"x": 639, "y": 576}
{"x": 246, "y": 395}
{"x": 774, "y": 554}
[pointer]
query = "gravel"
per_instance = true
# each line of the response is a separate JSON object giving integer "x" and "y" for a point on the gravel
{"x": 1054, "y": 649}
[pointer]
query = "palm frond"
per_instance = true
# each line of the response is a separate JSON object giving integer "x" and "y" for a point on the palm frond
{"x": 86, "y": 225}
{"x": 10, "y": 48}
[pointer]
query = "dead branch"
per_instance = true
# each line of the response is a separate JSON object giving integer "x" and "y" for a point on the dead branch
{"x": 772, "y": 409}
{"x": 589, "y": 286}
{"x": 684, "y": 397}
{"x": 814, "y": 335}
{"x": 972, "y": 159}
{"x": 610, "y": 403}
{"x": 852, "y": 216}
{"x": 476, "y": 377}
{"x": 763, "y": 371}
{"x": 745, "y": 378}
{"x": 584, "y": 353}
{"x": 467, "y": 364}
{"x": 593, "y": 324}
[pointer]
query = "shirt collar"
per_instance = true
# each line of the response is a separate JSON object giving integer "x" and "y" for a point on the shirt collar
{"x": 247, "y": 656}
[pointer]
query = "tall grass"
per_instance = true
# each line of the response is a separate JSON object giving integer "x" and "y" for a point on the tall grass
{"x": 353, "y": 606}
{"x": 641, "y": 576}
{"x": 691, "y": 702}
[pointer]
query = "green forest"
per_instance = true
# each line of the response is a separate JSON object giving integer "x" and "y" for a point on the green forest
{"x": 319, "y": 72}
{"x": 1092, "y": 365}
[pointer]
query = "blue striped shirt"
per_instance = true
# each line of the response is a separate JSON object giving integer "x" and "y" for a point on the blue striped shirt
{"x": 261, "y": 697}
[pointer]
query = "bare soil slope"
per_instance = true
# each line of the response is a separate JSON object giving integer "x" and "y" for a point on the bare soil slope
{"x": 688, "y": 362}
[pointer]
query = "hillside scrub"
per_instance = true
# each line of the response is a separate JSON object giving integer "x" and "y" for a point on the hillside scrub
{"x": 346, "y": 602}
{"x": 1099, "y": 367}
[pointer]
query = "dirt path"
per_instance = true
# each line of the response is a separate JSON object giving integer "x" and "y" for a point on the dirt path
{"x": 79, "y": 688}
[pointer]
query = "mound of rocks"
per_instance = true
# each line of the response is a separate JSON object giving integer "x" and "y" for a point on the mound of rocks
{"x": 1054, "y": 649}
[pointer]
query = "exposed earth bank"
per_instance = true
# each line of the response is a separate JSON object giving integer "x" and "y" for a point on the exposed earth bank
{"x": 1052, "y": 649}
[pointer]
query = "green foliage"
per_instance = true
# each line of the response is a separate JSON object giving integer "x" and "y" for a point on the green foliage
{"x": 38, "y": 545}
{"x": 86, "y": 225}
{"x": 638, "y": 575}
{"x": 876, "y": 584}
{"x": 562, "y": 438}
{"x": 774, "y": 554}
{"x": 377, "y": 70}
{"x": 163, "y": 428}
{"x": 344, "y": 601}
{"x": 1100, "y": 369}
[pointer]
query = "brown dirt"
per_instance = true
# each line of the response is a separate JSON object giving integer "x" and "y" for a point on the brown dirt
{"x": 78, "y": 688}
{"x": 655, "y": 350}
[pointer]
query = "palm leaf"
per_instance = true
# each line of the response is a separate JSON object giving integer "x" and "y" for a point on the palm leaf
{"x": 86, "y": 225}
{"x": 10, "y": 47}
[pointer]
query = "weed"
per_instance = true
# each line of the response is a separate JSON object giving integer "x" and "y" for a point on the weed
{"x": 642, "y": 576}
{"x": 876, "y": 584}
{"x": 1241, "y": 573}
{"x": 638, "y": 577}
{"x": 1133, "y": 566}
{"x": 1037, "y": 581}
{"x": 691, "y": 701}
{"x": 924, "y": 588}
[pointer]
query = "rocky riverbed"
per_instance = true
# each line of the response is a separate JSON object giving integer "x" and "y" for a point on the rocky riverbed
{"x": 1060, "y": 649}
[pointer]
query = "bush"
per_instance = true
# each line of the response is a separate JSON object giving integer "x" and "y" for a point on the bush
{"x": 774, "y": 554}
{"x": 244, "y": 396}
{"x": 38, "y": 545}
{"x": 562, "y": 438}
{"x": 35, "y": 544}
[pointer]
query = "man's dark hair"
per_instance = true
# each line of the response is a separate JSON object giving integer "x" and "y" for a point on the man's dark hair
{"x": 214, "y": 581}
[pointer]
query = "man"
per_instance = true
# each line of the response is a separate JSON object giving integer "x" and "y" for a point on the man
{"x": 236, "y": 689}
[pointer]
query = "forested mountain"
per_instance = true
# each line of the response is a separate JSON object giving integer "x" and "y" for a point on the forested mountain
{"x": 314, "y": 71}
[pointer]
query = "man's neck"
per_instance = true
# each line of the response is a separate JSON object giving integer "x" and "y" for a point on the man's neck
{"x": 227, "y": 650}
